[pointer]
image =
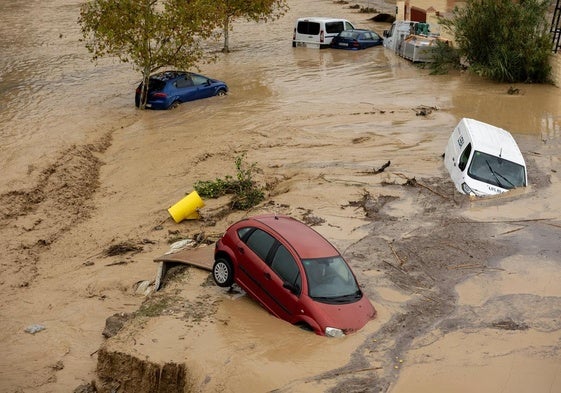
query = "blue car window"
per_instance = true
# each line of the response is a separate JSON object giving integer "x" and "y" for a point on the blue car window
{"x": 199, "y": 80}
{"x": 184, "y": 81}
{"x": 156, "y": 85}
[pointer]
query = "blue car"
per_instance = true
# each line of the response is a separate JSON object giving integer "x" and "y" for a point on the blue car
{"x": 166, "y": 90}
{"x": 356, "y": 39}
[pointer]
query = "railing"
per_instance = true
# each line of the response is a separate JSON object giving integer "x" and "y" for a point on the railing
{"x": 556, "y": 27}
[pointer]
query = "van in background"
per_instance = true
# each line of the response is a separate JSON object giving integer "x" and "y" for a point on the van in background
{"x": 317, "y": 32}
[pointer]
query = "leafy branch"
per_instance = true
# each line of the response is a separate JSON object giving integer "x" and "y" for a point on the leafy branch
{"x": 246, "y": 193}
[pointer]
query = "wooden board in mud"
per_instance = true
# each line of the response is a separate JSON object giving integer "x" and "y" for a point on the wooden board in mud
{"x": 201, "y": 257}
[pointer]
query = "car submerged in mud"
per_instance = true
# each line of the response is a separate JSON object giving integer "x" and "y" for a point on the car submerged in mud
{"x": 483, "y": 159}
{"x": 294, "y": 273}
{"x": 168, "y": 89}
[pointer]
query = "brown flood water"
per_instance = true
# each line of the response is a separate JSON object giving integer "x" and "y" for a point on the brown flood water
{"x": 83, "y": 170}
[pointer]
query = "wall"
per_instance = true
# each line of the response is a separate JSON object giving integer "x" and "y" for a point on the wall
{"x": 556, "y": 68}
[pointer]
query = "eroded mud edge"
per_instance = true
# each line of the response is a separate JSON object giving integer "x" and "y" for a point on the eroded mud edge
{"x": 123, "y": 372}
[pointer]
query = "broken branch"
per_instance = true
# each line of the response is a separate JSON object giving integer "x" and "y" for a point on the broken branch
{"x": 414, "y": 182}
{"x": 401, "y": 261}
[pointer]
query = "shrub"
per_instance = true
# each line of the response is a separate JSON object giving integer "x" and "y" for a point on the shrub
{"x": 504, "y": 40}
{"x": 445, "y": 58}
{"x": 246, "y": 193}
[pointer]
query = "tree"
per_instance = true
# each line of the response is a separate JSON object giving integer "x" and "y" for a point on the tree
{"x": 504, "y": 40}
{"x": 256, "y": 10}
{"x": 149, "y": 34}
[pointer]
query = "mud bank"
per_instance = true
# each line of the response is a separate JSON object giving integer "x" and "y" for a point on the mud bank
{"x": 418, "y": 244}
{"x": 125, "y": 373}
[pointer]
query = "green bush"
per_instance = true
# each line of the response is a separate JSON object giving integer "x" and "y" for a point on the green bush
{"x": 445, "y": 58}
{"x": 504, "y": 40}
{"x": 246, "y": 193}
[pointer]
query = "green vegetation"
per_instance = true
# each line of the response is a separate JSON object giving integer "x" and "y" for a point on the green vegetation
{"x": 504, "y": 40}
{"x": 153, "y": 34}
{"x": 148, "y": 34}
{"x": 445, "y": 58}
{"x": 246, "y": 193}
{"x": 155, "y": 306}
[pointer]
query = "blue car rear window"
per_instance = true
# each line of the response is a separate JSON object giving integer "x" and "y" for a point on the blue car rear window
{"x": 348, "y": 34}
{"x": 156, "y": 85}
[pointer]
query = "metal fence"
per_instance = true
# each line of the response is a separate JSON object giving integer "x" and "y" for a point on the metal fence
{"x": 556, "y": 27}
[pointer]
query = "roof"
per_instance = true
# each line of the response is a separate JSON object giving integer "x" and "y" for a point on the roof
{"x": 320, "y": 19}
{"x": 306, "y": 241}
{"x": 493, "y": 140}
{"x": 171, "y": 74}
{"x": 355, "y": 31}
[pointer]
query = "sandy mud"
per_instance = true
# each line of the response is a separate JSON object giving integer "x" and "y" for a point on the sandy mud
{"x": 466, "y": 290}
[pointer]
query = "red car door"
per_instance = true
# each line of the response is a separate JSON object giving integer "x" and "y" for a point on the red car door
{"x": 259, "y": 249}
{"x": 284, "y": 283}
{"x": 252, "y": 251}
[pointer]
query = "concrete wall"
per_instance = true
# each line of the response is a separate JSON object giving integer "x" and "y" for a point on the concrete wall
{"x": 556, "y": 69}
{"x": 433, "y": 9}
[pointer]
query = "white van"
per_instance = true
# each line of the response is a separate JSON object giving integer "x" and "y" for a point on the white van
{"x": 317, "y": 32}
{"x": 483, "y": 159}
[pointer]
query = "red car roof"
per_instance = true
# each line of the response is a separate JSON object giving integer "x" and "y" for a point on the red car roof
{"x": 306, "y": 241}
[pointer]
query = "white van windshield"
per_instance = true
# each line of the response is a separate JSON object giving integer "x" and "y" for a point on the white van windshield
{"x": 497, "y": 171}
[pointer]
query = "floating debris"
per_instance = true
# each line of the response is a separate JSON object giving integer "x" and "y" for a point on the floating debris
{"x": 122, "y": 248}
{"x": 35, "y": 328}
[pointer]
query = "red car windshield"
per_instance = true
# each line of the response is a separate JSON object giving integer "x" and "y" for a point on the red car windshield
{"x": 330, "y": 280}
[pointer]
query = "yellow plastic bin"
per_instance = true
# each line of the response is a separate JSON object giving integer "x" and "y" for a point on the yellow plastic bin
{"x": 187, "y": 208}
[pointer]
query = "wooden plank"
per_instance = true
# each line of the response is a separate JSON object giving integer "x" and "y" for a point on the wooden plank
{"x": 201, "y": 257}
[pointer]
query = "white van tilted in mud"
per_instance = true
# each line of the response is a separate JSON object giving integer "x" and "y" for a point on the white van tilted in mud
{"x": 483, "y": 159}
{"x": 315, "y": 32}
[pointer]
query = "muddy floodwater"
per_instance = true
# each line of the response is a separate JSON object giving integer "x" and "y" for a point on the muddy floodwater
{"x": 467, "y": 290}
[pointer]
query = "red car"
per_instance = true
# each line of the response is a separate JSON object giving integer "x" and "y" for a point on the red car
{"x": 294, "y": 272}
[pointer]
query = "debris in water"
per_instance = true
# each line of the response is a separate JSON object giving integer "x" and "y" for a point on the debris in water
{"x": 509, "y": 324}
{"x": 35, "y": 328}
{"x": 122, "y": 248}
{"x": 424, "y": 110}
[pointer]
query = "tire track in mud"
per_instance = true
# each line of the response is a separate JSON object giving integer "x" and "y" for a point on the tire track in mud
{"x": 32, "y": 219}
